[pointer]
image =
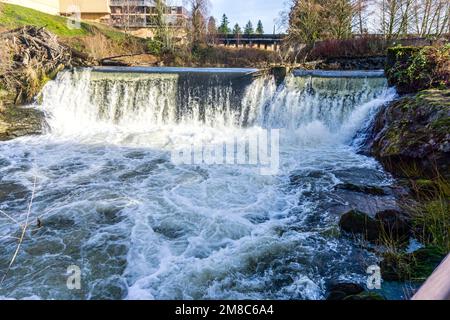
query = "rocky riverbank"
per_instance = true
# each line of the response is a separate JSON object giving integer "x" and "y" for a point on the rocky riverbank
{"x": 411, "y": 139}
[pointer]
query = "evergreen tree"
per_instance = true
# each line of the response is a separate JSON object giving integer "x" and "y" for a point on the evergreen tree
{"x": 237, "y": 29}
{"x": 260, "y": 28}
{"x": 249, "y": 28}
{"x": 224, "y": 26}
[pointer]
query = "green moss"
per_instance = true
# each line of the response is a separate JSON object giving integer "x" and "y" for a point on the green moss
{"x": 416, "y": 266}
{"x": 442, "y": 125}
{"x": 366, "y": 296}
{"x": 425, "y": 261}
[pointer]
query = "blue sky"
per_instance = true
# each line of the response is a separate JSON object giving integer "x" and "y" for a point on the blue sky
{"x": 241, "y": 11}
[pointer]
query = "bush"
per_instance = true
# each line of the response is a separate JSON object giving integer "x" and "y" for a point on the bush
{"x": 210, "y": 56}
{"x": 413, "y": 69}
{"x": 365, "y": 46}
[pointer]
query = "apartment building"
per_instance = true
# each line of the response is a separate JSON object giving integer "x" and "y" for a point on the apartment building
{"x": 143, "y": 13}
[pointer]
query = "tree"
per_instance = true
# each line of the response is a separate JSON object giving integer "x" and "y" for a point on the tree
{"x": 224, "y": 26}
{"x": 212, "y": 28}
{"x": 237, "y": 29}
{"x": 360, "y": 15}
{"x": 305, "y": 21}
{"x": 260, "y": 28}
{"x": 430, "y": 17}
{"x": 337, "y": 17}
{"x": 163, "y": 34}
{"x": 249, "y": 28}
{"x": 313, "y": 20}
{"x": 199, "y": 12}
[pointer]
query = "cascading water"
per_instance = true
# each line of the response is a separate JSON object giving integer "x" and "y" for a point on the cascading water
{"x": 112, "y": 202}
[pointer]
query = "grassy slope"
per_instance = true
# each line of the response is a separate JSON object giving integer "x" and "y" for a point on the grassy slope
{"x": 13, "y": 16}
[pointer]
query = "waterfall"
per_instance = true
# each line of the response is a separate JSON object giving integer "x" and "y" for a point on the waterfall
{"x": 83, "y": 100}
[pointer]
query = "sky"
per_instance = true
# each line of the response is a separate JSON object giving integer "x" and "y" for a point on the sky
{"x": 241, "y": 11}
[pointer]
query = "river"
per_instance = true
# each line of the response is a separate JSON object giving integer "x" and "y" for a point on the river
{"x": 111, "y": 200}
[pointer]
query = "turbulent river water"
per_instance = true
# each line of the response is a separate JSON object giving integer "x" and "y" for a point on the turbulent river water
{"x": 111, "y": 201}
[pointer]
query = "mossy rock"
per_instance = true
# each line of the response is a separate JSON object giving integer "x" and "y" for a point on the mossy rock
{"x": 342, "y": 290}
{"x": 357, "y": 222}
{"x": 372, "y": 190}
{"x": 425, "y": 188}
{"x": 387, "y": 224}
{"x": 366, "y": 296}
{"x": 411, "y": 136}
{"x": 416, "y": 266}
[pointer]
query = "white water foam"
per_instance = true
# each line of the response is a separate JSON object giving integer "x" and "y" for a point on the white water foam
{"x": 141, "y": 228}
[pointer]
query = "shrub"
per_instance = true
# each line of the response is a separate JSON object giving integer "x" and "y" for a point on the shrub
{"x": 365, "y": 46}
{"x": 205, "y": 55}
{"x": 412, "y": 69}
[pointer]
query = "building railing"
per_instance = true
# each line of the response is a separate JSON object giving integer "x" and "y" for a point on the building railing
{"x": 132, "y": 3}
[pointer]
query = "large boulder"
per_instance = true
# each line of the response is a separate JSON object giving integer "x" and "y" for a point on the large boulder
{"x": 357, "y": 222}
{"x": 17, "y": 121}
{"x": 341, "y": 290}
{"x": 412, "y": 135}
{"x": 351, "y": 291}
{"x": 390, "y": 224}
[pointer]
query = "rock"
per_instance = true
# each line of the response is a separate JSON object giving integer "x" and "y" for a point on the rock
{"x": 16, "y": 121}
{"x": 411, "y": 135}
{"x": 357, "y": 222}
{"x": 373, "y": 190}
{"x": 366, "y": 296}
{"x": 425, "y": 188}
{"x": 351, "y": 291}
{"x": 396, "y": 225}
{"x": 340, "y": 291}
{"x": 416, "y": 266}
{"x": 389, "y": 224}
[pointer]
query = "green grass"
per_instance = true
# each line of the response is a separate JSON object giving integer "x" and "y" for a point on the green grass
{"x": 13, "y": 16}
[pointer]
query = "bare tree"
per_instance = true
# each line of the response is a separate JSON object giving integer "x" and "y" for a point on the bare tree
{"x": 430, "y": 17}
{"x": 198, "y": 25}
{"x": 360, "y": 13}
{"x": 212, "y": 31}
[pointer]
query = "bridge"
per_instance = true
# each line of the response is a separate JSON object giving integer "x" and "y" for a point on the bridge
{"x": 269, "y": 42}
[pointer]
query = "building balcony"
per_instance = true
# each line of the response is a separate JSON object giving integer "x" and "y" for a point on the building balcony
{"x": 132, "y": 3}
